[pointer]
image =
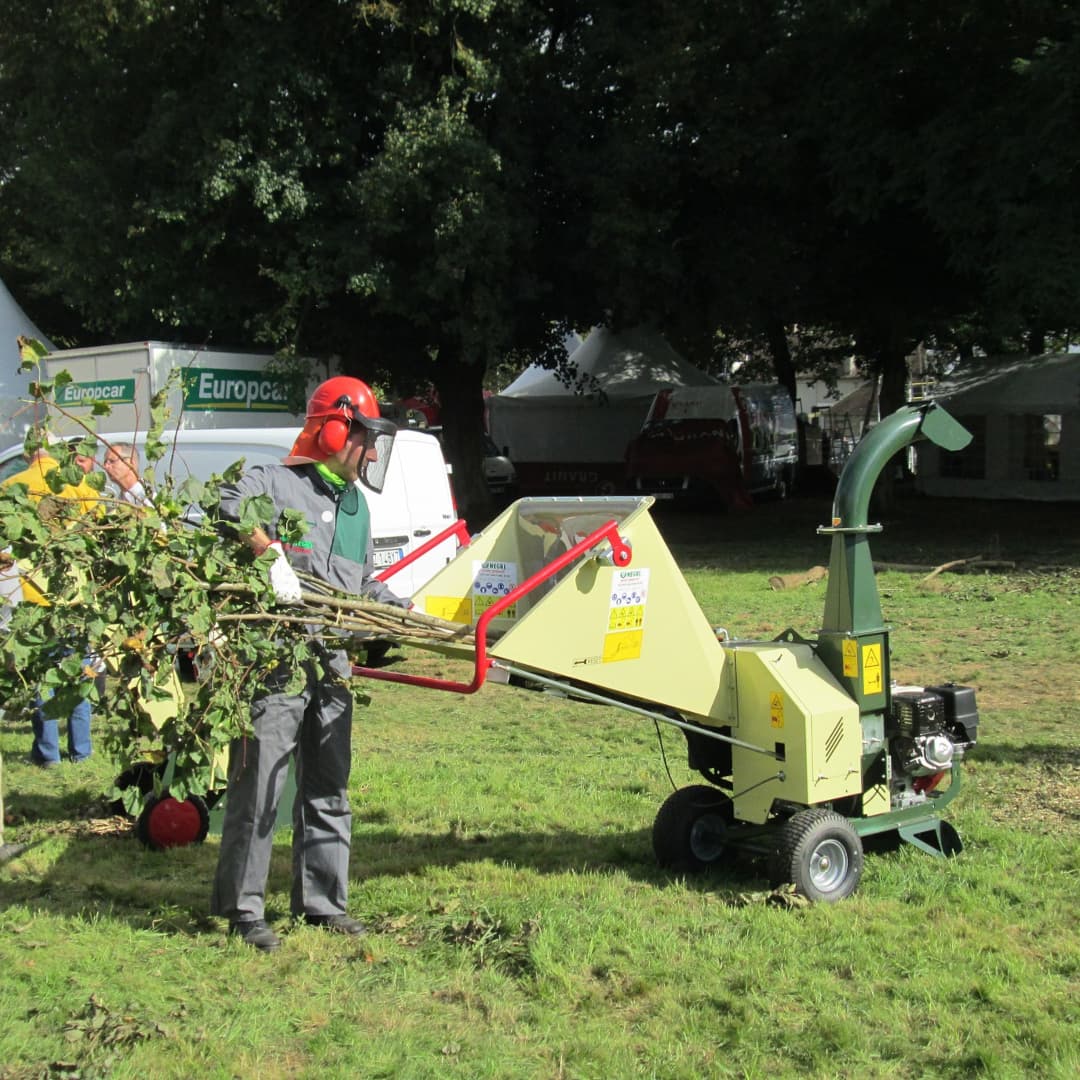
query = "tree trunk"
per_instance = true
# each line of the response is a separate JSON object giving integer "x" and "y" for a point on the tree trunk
{"x": 459, "y": 383}
{"x": 781, "y": 354}
{"x": 786, "y": 376}
{"x": 892, "y": 360}
{"x": 893, "y": 378}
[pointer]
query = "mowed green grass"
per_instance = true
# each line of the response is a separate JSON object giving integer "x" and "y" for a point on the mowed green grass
{"x": 520, "y": 927}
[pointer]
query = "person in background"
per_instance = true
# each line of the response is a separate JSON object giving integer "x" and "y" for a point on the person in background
{"x": 122, "y": 468}
{"x": 10, "y": 596}
{"x": 84, "y": 461}
{"x": 343, "y": 440}
{"x": 40, "y": 462}
{"x": 45, "y": 750}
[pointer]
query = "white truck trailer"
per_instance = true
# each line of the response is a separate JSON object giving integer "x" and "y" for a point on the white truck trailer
{"x": 218, "y": 388}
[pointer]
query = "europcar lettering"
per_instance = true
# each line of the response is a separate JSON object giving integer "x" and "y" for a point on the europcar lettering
{"x": 224, "y": 388}
{"x": 116, "y": 391}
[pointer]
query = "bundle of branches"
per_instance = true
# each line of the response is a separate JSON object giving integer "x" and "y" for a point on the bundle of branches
{"x": 137, "y": 587}
{"x": 330, "y": 613}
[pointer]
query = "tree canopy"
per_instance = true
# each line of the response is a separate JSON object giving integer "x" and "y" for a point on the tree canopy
{"x": 420, "y": 186}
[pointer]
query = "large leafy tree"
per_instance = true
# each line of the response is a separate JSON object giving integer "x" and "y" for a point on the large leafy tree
{"x": 420, "y": 186}
{"x": 889, "y": 172}
{"x": 361, "y": 179}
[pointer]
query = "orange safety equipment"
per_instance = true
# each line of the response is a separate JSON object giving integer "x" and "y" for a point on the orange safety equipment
{"x": 335, "y": 408}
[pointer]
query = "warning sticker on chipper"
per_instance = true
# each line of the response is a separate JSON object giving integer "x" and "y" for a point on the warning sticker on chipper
{"x": 452, "y": 608}
{"x": 872, "y": 677}
{"x": 491, "y": 582}
{"x": 776, "y": 710}
{"x": 629, "y": 593}
{"x": 851, "y": 658}
{"x": 626, "y": 615}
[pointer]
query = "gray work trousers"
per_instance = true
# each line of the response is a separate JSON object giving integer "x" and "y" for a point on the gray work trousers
{"x": 315, "y": 725}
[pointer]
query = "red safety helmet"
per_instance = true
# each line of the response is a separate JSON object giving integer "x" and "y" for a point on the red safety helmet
{"x": 333, "y": 408}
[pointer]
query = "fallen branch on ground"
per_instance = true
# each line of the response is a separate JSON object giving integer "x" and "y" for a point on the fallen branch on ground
{"x": 793, "y": 581}
{"x": 973, "y": 562}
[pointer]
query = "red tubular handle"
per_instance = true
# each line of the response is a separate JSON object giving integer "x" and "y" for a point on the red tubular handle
{"x": 620, "y": 554}
{"x": 458, "y": 529}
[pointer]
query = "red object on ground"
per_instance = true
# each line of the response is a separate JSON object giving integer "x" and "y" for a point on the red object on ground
{"x": 172, "y": 823}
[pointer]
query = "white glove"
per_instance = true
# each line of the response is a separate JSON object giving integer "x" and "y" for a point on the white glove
{"x": 283, "y": 579}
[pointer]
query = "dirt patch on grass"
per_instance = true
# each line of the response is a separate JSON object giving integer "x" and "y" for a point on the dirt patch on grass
{"x": 1044, "y": 795}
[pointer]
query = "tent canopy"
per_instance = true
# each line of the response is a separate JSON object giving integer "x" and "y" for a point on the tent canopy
{"x": 635, "y": 363}
{"x": 14, "y": 385}
{"x": 586, "y": 431}
{"x": 1027, "y": 384}
{"x": 1024, "y": 416}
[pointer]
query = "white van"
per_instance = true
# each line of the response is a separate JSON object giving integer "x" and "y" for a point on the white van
{"x": 415, "y": 504}
{"x": 499, "y": 472}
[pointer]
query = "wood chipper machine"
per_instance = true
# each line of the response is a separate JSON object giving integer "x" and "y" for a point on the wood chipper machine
{"x": 805, "y": 744}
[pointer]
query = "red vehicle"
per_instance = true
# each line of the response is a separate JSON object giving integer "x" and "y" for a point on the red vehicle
{"x": 716, "y": 443}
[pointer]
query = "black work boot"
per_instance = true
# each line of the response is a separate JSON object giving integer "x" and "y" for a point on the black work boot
{"x": 337, "y": 924}
{"x": 256, "y": 934}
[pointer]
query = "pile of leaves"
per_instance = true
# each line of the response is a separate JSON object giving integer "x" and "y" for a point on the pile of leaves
{"x": 143, "y": 588}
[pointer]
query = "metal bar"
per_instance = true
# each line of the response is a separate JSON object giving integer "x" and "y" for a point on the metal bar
{"x": 620, "y": 556}
{"x": 601, "y": 699}
{"x": 459, "y": 529}
{"x": 916, "y": 814}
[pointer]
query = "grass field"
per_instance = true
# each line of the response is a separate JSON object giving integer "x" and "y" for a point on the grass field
{"x": 519, "y": 924}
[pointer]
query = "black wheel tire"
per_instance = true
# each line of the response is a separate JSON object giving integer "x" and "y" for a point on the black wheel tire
{"x": 820, "y": 853}
{"x": 375, "y": 652}
{"x": 167, "y": 822}
{"x": 139, "y": 776}
{"x": 691, "y": 830}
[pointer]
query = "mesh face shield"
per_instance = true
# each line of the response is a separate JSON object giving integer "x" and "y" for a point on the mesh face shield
{"x": 378, "y": 436}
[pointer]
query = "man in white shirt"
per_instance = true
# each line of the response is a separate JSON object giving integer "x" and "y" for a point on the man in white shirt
{"x": 122, "y": 468}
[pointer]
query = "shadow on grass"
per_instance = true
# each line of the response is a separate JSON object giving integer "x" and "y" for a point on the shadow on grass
{"x": 112, "y": 875}
{"x": 783, "y": 536}
{"x": 1031, "y": 754}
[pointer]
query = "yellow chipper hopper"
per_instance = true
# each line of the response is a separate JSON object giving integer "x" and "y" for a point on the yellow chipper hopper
{"x": 806, "y": 745}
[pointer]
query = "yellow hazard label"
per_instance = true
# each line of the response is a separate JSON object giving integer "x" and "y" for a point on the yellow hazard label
{"x": 872, "y": 677}
{"x": 451, "y": 608}
{"x": 623, "y": 646}
{"x": 630, "y": 617}
{"x": 776, "y": 710}
{"x": 482, "y": 603}
{"x": 851, "y": 659}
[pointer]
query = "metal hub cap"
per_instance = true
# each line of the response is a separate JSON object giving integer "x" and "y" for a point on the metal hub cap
{"x": 828, "y": 865}
{"x": 707, "y": 837}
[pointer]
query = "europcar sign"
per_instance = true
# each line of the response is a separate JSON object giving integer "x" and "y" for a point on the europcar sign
{"x": 229, "y": 388}
{"x": 111, "y": 391}
{"x": 205, "y": 388}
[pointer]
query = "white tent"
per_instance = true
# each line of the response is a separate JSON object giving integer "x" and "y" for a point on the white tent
{"x": 573, "y": 439}
{"x": 1025, "y": 419}
{"x": 14, "y": 385}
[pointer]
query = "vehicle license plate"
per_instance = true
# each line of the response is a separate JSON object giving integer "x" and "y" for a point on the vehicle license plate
{"x": 388, "y": 557}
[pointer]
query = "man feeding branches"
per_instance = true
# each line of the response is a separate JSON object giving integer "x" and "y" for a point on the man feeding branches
{"x": 305, "y": 709}
{"x": 136, "y": 584}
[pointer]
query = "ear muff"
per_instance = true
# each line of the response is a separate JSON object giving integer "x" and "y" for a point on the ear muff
{"x": 333, "y": 435}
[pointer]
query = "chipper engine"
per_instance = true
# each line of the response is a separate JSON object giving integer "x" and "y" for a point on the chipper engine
{"x": 805, "y": 745}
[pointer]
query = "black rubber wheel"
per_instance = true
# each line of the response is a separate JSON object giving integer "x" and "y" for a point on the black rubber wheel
{"x": 691, "y": 830}
{"x": 820, "y": 853}
{"x": 375, "y": 652}
{"x": 167, "y": 822}
{"x": 140, "y": 776}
